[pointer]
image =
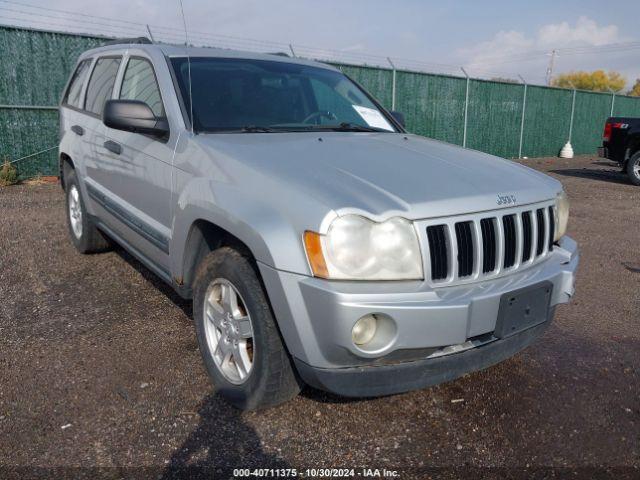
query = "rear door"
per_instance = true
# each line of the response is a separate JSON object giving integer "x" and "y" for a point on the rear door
{"x": 72, "y": 120}
{"x": 100, "y": 172}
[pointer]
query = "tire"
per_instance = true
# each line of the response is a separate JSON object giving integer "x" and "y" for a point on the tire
{"x": 269, "y": 376}
{"x": 633, "y": 168}
{"x": 84, "y": 234}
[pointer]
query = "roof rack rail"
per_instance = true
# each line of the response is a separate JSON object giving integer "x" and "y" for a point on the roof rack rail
{"x": 280, "y": 54}
{"x": 135, "y": 40}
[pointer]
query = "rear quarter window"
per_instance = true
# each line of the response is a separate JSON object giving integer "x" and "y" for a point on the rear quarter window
{"x": 74, "y": 91}
{"x": 101, "y": 84}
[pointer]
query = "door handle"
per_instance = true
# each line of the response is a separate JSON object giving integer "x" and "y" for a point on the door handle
{"x": 113, "y": 147}
{"x": 77, "y": 129}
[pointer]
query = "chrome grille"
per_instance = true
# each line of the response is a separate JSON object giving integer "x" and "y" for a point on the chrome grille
{"x": 463, "y": 249}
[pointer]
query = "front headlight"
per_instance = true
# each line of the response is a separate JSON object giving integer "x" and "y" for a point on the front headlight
{"x": 561, "y": 215}
{"x": 356, "y": 248}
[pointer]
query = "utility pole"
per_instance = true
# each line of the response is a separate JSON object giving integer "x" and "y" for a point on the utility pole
{"x": 550, "y": 67}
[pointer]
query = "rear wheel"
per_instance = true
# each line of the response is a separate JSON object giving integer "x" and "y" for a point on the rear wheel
{"x": 84, "y": 234}
{"x": 633, "y": 168}
{"x": 239, "y": 341}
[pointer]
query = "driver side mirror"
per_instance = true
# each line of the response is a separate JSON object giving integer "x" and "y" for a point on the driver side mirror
{"x": 398, "y": 117}
{"x": 133, "y": 116}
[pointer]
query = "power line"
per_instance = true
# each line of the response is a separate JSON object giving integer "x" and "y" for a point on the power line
{"x": 58, "y": 18}
{"x": 226, "y": 40}
{"x": 540, "y": 54}
{"x": 178, "y": 31}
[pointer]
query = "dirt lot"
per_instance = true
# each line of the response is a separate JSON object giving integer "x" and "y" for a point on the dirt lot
{"x": 99, "y": 367}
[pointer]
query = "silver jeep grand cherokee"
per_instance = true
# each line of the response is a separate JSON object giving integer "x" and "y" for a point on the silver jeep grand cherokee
{"x": 320, "y": 242}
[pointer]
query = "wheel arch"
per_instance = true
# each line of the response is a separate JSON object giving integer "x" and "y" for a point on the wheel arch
{"x": 632, "y": 145}
{"x": 205, "y": 236}
{"x": 202, "y": 219}
{"x": 65, "y": 163}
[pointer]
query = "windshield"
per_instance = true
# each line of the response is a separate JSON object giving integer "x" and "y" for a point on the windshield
{"x": 232, "y": 94}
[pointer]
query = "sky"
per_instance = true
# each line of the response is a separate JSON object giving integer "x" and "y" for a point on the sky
{"x": 504, "y": 39}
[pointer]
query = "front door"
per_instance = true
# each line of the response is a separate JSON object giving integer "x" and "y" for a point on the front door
{"x": 142, "y": 186}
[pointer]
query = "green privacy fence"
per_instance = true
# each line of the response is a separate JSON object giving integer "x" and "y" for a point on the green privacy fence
{"x": 506, "y": 119}
{"x": 34, "y": 68}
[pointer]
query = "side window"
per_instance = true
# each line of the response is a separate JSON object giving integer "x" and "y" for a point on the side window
{"x": 101, "y": 84}
{"x": 72, "y": 96}
{"x": 139, "y": 83}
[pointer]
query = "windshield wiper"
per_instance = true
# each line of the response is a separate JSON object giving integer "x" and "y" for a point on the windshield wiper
{"x": 257, "y": 129}
{"x": 342, "y": 127}
{"x": 350, "y": 127}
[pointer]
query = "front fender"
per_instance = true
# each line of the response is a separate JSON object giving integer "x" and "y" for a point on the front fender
{"x": 269, "y": 231}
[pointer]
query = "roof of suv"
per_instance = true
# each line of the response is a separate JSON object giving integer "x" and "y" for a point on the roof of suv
{"x": 182, "y": 51}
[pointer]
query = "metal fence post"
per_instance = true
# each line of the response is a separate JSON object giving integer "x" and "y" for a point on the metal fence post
{"x": 613, "y": 101}
{"x": 573, "y": 108}
{"x": 524, "y": 106}
{"x": 393, "y": 84}
{"x": 466, "y": 109}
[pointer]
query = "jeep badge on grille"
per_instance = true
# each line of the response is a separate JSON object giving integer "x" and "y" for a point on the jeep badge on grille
{"x": 506, "y": 200}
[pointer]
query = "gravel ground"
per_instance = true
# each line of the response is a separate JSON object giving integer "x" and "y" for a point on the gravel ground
{"x": 99, "y": 367}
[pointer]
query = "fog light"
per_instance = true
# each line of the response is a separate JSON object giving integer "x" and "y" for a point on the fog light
{"x": 364, "y": 330}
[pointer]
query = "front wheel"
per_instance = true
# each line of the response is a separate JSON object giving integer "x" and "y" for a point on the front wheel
{"x": 633, "y": 168}
{"x": 239, "y": 341}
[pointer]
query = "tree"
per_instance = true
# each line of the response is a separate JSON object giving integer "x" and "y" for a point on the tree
{"x": 504, "y": 80}
{"x": 635, "y": 90}
{"x": 597, "y": 81}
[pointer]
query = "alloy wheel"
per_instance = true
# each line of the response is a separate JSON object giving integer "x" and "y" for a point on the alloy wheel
{"x": 75, "y": 211}
{"x": 229, "y": 331}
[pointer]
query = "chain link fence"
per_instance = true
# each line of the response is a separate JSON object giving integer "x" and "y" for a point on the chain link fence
{"x": 511, "y": 120}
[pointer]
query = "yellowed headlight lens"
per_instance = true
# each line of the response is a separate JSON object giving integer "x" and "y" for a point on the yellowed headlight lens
{"x": 562, "y": 216}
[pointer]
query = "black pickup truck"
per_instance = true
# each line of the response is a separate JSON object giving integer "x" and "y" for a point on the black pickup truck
{"x": 621, "y": 143}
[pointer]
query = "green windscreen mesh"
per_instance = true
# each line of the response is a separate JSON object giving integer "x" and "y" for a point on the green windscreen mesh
{"x": 591, "y": 111}
{"x": 35, "y": 67}
{"x": 546, "y": 121}
{"x": 626, "y": 107}
{"x": 433, "y": 105}
{"x": 376, "y": 81}
{"x": 25, "y": 132}
{"x": 494, "y": 114}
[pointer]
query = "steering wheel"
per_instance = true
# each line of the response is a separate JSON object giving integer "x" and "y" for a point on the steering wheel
{"x": 316, "y": 116}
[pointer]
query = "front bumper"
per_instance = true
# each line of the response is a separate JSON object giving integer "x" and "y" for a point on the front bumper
{"x": 389, "y": 379}
{"x": 316, "y": 316}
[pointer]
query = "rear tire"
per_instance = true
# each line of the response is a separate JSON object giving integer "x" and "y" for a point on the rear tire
{"x": 84, "y": 234}
{"x": 633, "y": 168}
{"x": 231, "y": 309}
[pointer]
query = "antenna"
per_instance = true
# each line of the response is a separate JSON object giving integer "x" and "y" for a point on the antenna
{"x": 150, "y": 34}
{"x": 186, "y": 44}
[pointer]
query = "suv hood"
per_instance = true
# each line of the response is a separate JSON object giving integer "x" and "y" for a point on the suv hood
{"x": 381, "y": 174}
